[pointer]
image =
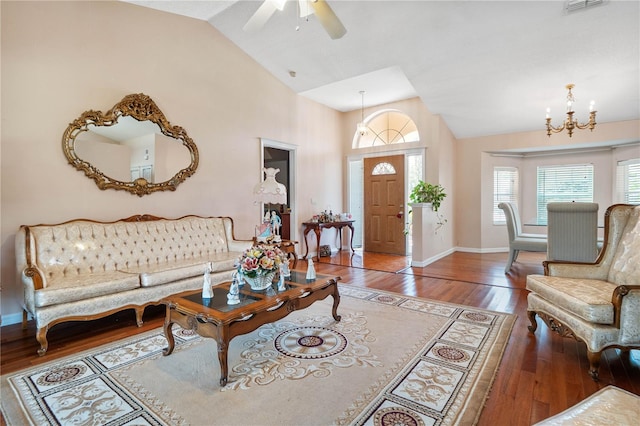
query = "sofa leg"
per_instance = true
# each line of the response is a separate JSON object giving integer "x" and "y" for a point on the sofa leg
{"x": 594, "y": 364}
{"x": 139, "y": 313}
{"x": 41, "y": 337}
{"x": 532, "y": 318}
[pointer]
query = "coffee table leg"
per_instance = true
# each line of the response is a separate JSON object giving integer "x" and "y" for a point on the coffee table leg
{"x": 168, "y": 334}
{"x": 336, "y": 302}
{"x": 222, "y": 357}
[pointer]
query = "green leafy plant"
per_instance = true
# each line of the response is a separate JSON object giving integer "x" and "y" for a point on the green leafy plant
{"x": 428, "y": 193}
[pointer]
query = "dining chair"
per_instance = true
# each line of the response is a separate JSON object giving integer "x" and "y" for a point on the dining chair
{"x": 517, "y": 239}
{"x": 572, "y": 230}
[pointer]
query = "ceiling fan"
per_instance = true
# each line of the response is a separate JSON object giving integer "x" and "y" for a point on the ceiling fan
{"x": 320, "y": 8}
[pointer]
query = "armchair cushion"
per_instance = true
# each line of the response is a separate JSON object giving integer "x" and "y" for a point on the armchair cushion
{"x": 588, "y": 299}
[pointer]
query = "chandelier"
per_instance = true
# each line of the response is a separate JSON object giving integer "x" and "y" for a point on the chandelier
{"x": 569, "y": 123}
{"x": 362, "y": 127}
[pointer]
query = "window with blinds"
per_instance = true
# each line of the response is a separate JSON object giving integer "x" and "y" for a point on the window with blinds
{"x": 505, "y": 190}
{"x": 563, "y": 183}
{"x": 628, "y": 181}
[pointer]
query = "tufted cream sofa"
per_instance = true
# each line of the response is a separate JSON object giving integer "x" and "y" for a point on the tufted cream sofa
{"x": 83, "y": 269}
{"x": 599, "y": 302}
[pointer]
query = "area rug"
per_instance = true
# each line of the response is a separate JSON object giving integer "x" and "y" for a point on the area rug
{"x": 392, "y": 359}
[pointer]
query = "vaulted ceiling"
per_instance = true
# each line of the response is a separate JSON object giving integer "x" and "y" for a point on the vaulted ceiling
{"x": 487, "y": 67}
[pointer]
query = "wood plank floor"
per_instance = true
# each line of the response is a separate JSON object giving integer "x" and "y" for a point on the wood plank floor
{"x": 539, "y": 375}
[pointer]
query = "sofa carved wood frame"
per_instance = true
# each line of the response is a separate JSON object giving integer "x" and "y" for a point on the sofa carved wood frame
{"x": 142, "y": 108}
{"x": 31, "y": 271}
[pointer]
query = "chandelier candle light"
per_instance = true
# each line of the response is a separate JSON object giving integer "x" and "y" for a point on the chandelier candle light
{"x": 362, "y": 127}
{"x": 569, "y": 122}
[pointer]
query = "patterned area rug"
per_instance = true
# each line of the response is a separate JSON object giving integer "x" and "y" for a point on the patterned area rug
{"x": 391, "y": 360}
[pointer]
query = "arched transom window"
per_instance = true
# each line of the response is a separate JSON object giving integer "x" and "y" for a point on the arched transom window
{"x": 385, "y": 128}
{"x": 383, "y": 169}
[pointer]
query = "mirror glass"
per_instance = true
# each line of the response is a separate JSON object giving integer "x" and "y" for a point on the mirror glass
{"x": 131, "y": 147}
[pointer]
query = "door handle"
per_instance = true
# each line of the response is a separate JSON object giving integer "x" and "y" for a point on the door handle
{"x": 400, "y": 214}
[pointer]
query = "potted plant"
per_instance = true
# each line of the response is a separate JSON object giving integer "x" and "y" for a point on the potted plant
{"x": 428, "y": 193}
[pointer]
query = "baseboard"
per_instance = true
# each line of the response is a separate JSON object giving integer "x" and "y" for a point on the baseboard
{"x": 423, "y": 263}
{"x": 12, "y": 319}
{"x": 483, "y": 250}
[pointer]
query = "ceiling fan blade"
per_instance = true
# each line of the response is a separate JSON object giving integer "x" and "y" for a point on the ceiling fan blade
{"x": 328, "y": 19}
{"x": 262, "y": 15}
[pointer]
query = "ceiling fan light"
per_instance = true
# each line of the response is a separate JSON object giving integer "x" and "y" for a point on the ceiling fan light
{"x": 305, "y": 8}
{"x": 279, "y": 4}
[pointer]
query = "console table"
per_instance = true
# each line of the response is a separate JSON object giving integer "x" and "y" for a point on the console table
{"x": 317, "y": 227}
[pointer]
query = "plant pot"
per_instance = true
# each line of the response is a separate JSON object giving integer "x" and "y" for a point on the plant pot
{"x": 260, "y": 282}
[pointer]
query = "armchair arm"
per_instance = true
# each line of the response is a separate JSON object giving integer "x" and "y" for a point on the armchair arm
{"x": 618, "y": 295}
{"x": 590, "y": 270}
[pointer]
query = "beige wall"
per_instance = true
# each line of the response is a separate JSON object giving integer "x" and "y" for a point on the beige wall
{"x": 60, "y": 59}
{"x": 474, "y": 176}
{"x": 435, "y": 138}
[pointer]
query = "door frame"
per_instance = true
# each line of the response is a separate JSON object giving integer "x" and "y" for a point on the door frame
{"x": 270, "y": 143}
{"x": 360, "y": 157}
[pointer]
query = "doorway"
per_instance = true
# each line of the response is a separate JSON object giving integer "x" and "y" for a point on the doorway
{"x": 280, "y": 155}
{"x": 384, "y": 205}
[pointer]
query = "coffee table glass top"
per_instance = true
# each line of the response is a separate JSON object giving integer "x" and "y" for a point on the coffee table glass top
{"x": 248, "y": 296}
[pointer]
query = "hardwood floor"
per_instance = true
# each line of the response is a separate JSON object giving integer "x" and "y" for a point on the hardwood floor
{"x": 540, "y": 375}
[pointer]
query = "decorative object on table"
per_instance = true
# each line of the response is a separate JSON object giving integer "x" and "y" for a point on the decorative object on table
{"x": 325, "y": 251}
{"x": 232, "y": 297}
{"x": 272, "y": 192}
{"x": 569, "y": 123}
{"x": 284, "y": 269}
{"x": 281, "y": 286}
{"x": 259, "y": 265}
{"x": 276, "y": 223}
{"x": 311, "y": 270}
{"x": 263, "y": 232}
{"x": 207, "y": 293}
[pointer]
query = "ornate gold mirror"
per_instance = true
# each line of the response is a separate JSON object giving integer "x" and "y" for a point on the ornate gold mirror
{"x": 131, "y": 147}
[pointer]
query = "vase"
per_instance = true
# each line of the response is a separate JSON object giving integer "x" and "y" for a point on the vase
{"x": 260, "y": 282}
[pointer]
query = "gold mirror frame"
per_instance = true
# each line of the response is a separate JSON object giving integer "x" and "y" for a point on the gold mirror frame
{"x": 142, "y": 108}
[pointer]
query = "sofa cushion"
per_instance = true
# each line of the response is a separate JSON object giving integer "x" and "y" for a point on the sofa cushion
{"x": 78, "y": 287}
{"x": 162, "y": 273}
{"x": 589, "y": 299}
{"x": 224, "y": 261}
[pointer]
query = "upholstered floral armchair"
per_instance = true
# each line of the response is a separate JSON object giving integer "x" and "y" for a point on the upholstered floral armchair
{"x": 597, "y": 303}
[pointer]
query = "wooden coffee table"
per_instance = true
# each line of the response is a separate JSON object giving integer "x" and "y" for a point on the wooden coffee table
{"x": 216, "y": 319}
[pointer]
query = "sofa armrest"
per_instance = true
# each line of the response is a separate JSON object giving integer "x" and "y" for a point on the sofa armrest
{"x": 36, "y": 276}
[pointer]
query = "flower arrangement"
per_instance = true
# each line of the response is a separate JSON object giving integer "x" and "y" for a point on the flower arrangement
{"x": 260, "y": 260}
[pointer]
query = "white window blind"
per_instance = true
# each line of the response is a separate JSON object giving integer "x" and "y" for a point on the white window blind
{"x": 505, "y": 190}
{"x": 628, "y": 181}
{"x": 563, "y": 183}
